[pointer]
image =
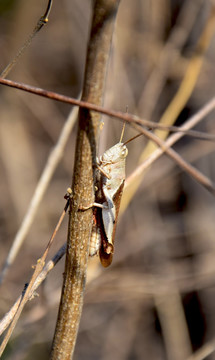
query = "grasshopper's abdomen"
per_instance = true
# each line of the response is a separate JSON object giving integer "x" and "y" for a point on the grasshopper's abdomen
{"x": 95, "y": 241}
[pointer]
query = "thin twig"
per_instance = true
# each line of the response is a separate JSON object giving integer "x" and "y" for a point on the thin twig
{"x": 41, "y": 22}
{"x": 90, "y": 106}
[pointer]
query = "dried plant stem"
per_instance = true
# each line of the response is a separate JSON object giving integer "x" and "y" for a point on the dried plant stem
{"x": 172, "y": 318}
{"x": 80, "y": 222}
{"x": 27, "y": 292}
{"x": 6, "y": 320}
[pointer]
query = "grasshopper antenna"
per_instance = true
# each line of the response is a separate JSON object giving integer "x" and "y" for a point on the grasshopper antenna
{"x": 123, "y": 128}
{"x": 122, "y": 133}
{"x": 134, "y": 137}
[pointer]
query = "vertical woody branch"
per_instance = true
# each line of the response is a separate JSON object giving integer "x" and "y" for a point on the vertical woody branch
{"x": 80, "y": 222}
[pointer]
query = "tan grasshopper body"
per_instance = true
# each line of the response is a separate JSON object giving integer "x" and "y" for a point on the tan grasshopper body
{"x": 110, "y": 178}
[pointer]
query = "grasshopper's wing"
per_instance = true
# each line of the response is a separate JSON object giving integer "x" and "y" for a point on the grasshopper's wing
{"x": 109, "y": 221}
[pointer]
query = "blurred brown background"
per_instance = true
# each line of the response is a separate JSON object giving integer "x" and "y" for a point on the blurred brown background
{"x": 157, "y": 300}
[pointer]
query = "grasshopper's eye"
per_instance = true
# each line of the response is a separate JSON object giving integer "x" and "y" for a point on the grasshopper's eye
{"x": 124, "y": 152}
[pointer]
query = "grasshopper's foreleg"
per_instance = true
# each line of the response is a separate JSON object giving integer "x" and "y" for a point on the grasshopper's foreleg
{"x": 103, "y": 171}
{"x": 100, "y": 168}
{"x": 107, "y": 205}
{"x": 95, "y": 204}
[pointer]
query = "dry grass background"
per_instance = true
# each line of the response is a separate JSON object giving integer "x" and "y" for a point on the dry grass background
{"x": 156, "y": 301}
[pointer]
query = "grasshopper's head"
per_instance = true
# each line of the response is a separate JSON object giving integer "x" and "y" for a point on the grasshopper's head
{"x": 115, "y": 154}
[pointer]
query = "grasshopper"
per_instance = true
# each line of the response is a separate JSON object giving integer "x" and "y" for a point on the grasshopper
{"x": 110, "y": 178}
